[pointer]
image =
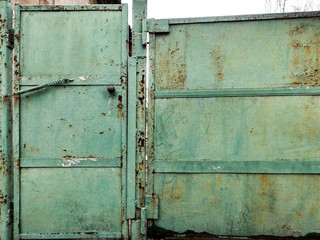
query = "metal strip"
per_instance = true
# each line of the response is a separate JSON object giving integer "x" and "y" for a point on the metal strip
{"x": 143, "y": 229}
{"x": 255, "y": 92}
{"x": 256, "y": 17}
{"x": 93, "y": 235}
{"x": 16, "y": 128}
{"x": 244, "y": 167}
{"x": 124, "y": 115}
{"x": 139, "y": 47}
{"x": 71, "y": 163}
{"x": 91, "y": 7}
{"x": 132, "y": 128}
{"x": 5, "y": 123}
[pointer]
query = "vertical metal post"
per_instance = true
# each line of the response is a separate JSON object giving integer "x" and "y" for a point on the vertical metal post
{"x": 139, "y": 53}
{"x": 5, "y": 125}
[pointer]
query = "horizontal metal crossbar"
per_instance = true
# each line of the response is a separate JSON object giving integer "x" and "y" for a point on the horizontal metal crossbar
{"x": 86, "y": 235}
{"x": 241, "y": 167}
{"x": 71, "y": 163}
{"x": 251, "y": 17}
{"x": 257, "y": 92}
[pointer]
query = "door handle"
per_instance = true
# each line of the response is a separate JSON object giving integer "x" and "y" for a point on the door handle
{"x": 111, "y": 89}
{"x": 41, "y": 86}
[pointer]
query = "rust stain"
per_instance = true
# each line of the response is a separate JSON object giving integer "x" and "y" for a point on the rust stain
{"x": 34, "y": 149}
{"x": 141, "y": 94}
{"x": 264, "y": 184}
{"x": 218, "y": 61}
{"x": 120, "y": 106}
{"x": 141, "y": 141}
{"x": 3, "y": 198}
{"x": 103, "y": 114}
{"x": 17, "y": 162}
{"x": 297, "y": 213}
{"x": 17, "y": 37}
{"x": 101, "y": 133}
{"x": 299, "y": 29}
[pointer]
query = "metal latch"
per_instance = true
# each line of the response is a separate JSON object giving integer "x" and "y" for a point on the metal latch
{"x": 53, "y": 83}
{"x": 150, "y": 211}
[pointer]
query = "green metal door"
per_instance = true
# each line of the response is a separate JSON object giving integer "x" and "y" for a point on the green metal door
{"x": 234, "y": 126}
{"x": 69, "y": 143}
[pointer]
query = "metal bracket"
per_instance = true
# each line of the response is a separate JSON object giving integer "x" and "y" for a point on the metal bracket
{"x": 150, "y": 211}
{"x": 144, "y": 32}
{"x": 154, "y": 26}
{"x": 157, "y": 25}
{"x": 152, "y": 207}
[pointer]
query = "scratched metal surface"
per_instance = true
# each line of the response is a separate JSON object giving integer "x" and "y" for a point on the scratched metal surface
{"x": 224, "y": 111}
{"x": 67, "y": 200}
{"x": 72, "y": 130}
{"x": 243, "y": 129}
{"x": 86, "y": 56}
{"x": 70, "y": 140}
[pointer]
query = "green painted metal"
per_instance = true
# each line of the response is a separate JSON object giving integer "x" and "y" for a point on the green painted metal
{"x": 5, "y": 123}
{"x": 70, "y": 140}
{"x": 233, "y": 142}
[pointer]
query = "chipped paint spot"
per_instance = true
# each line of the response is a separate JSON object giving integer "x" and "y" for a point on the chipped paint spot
{"x": 83, "y": 78}
{"x": 68, "y": 162}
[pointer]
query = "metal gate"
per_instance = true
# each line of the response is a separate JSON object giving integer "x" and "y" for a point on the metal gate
{"x": 234, "y": 125}
{"x": 70, "y": 121}
{"x": 233, "y": 134}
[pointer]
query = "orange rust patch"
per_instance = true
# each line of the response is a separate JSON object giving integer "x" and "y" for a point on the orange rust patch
{"x": 305, "y": 62}
{"x": 172, "y": 68}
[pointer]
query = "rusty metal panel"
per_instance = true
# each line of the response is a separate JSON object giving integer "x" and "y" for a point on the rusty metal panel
{"x": 233, "y": 125}
{"x": 70, "y": 138}
{"x": 267, "y": 54}
{"x": 239, "y": 205}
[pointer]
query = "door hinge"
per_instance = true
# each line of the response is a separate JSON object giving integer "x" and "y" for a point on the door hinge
{"x": 150, "y": 211}
{"x": 10, "y": 38}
